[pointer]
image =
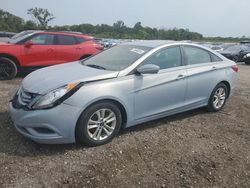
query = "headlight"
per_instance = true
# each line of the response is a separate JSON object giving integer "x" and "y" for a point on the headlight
{"x": 56, "y": 96}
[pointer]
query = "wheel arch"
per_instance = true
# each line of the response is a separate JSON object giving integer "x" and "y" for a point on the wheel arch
{"x": 228, "y": 86}
{"x": 116, "y": 102}
{"x": 13, "y": 58}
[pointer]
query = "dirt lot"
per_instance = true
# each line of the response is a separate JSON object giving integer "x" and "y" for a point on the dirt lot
{"x": 193, "y": 149}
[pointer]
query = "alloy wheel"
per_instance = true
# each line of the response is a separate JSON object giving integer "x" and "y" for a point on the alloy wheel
{"x": 101, "y": 124}
{"x": 219, "y": 98}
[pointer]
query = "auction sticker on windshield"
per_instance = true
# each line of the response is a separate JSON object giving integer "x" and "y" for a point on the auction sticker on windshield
{"x": 137, "y": 50}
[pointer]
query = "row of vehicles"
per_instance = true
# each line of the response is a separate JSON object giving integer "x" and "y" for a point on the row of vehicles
{"x": 31, "y": 49}
{"x": 236, "y": 52}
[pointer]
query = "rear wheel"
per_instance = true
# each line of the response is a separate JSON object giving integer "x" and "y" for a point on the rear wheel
{"x": 8, "y": 69}
{"x": 218, "y": 98}
{"x": 99, "y": 124}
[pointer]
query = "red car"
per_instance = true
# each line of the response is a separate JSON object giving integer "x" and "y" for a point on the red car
{"x": 42, "y": 48}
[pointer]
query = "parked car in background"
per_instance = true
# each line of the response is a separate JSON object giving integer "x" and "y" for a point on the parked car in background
{"x": 6, "y": 34}
{"x": 246, "y": 59}
{"x": 246, "y": 42}
{"x": 236, "y": 52}
{"x": 34, "y": 49}
{"x": 90, "y": 100}
{"x": 217, "y": 48}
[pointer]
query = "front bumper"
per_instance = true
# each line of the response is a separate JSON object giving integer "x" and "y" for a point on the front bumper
{"x": 51, "y": 126}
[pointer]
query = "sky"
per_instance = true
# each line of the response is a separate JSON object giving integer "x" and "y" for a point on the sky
{"x": 226, "y": 18}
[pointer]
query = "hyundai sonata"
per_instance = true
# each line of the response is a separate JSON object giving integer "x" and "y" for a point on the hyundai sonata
{"x": 89, "y": 101}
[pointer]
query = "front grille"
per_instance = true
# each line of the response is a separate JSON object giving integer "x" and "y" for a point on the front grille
{"x": 23, "y": 98}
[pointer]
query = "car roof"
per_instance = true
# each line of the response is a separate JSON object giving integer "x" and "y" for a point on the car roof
{"x": 67, "y": 33}
{"x": 150, "y": 43}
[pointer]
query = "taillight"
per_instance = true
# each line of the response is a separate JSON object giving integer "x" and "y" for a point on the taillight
{"x": 235, "y": 68}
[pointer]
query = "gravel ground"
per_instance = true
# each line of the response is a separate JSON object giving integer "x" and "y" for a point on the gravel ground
{"x": 192, "y": 149}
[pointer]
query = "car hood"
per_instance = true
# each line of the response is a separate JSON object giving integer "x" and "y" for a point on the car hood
{"x": 47, "y": 79}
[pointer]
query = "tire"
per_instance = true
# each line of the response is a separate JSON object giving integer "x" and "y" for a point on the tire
{"x": 236, "y": 59}
{"x": 90, "y": 129}
{"x": 221, "y": 98}
{"x": 8, "y": 69}
{"x": 247, "y": 62}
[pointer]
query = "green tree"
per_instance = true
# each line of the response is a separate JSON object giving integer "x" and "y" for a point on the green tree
{"x": 30, "y": 25}
{"x": 43, "y": 16}
{"x": 10, "y": 22}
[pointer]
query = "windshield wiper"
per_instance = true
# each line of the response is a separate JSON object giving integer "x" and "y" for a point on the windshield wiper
{"x": 96, "y": 66}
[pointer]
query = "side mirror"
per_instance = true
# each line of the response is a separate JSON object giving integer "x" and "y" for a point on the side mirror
{"x": 28, "y": 43}
{"x": 148, "y": 69}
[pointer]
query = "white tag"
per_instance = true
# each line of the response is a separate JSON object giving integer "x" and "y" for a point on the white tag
{"x": 136, "y": 50}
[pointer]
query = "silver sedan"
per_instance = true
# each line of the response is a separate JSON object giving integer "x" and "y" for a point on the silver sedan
{"x": 91, "y": 100}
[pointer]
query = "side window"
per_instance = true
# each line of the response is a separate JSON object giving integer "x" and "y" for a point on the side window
{"x": 65, "y": 40}
{"x": 43, "y": 39}
{"x": 166, "y": 58}
{"x": 196, "y": 55}
{"x": 215, "y": 58}
{"x": 80, "y": 40}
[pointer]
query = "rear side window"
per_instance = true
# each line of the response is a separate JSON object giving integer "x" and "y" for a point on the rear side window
{"x": 43, "y": 39}
{"x": 65, "y": 40}
{"x": 166, "y": 58}
{"x": 215, "y": 58}
{"x": 196, "y": 55}
{"x": 80, "y": 40}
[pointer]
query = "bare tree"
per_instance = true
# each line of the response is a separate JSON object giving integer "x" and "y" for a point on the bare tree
{"x": 43, "y": 16}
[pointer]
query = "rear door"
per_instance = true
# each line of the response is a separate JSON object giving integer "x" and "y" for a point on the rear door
{"x": 202, "y": 73}
{"x": 67, "y": 49}
{"x": 41, "y": 52}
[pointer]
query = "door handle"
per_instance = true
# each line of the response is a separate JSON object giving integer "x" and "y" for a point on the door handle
{"x": 214, "y": 68}
{"x": 181, "y": 76}
{"x": 78, "y": 48}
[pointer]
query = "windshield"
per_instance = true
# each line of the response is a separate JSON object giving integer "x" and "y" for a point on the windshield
{"x": 117, "y": 58}
{"x": 20, "y": 36}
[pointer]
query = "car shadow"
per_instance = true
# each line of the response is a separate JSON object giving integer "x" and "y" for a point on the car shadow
{"x": 14, "y": 144}
{"x": 164, "y": 120}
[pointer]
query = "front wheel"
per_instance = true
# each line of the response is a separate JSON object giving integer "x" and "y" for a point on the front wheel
{"x": 98, "y": 124}
{"x": 8, "y": 69}
{"x": 218, "y": 98}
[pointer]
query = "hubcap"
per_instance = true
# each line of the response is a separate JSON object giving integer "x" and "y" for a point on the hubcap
{"x": 101, "y": 124}
{"x": 219, "y": 98}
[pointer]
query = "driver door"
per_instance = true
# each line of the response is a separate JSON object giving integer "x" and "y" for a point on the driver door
{"x": 164, "y": 91}
{"x": 40, "y": 52}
